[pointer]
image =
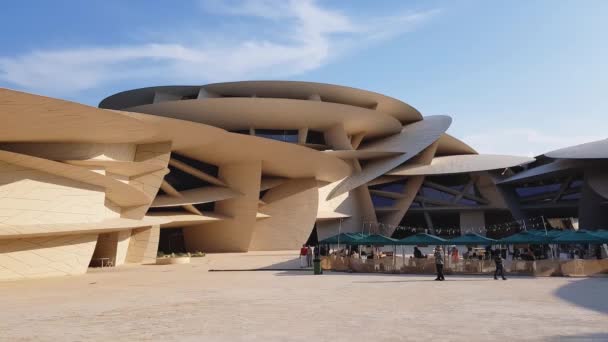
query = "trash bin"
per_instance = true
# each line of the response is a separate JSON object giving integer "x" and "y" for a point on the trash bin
{"x": 317, "y": 266}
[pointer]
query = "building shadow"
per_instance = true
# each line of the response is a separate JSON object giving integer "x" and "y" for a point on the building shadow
{"x": 580, "y": 338}
{"x": 589, "y": 293}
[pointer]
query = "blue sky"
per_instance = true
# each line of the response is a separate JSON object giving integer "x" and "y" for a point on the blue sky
{"x": 518, "y": 77}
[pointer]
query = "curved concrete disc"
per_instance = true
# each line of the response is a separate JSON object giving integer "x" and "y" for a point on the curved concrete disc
{"x": 460, "y": 164}
{"x": 412, "y": 140}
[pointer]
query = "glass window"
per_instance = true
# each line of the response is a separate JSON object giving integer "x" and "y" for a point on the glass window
{"x": 435, "y": 194}
{"x": 315, "y": 137}
{"x": 278, "y": 134}
{"x": 529, "y": 191}
{"x": 380, "y": 201}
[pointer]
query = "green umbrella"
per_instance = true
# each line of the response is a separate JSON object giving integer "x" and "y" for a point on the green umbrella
{"x": 343, "y": 238}
{"x": 423, "y": 239}
{"x": 578, "y": 236}
{"x": 376, "y": 240}
{"x": 525, "y": 237}
{"x": 602, "y": 233}
{"x": 472, "y": 239}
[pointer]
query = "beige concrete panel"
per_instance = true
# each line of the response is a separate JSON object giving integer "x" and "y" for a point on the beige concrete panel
{"x": 302, "y": 135}
{"x": 324, "y": 216}
{"x": 461, "y": 164}
{"x": 232, "y": 235}
{"x": 118, "y": 192}
{"x": 343, "y": 208}
{"x": 271, "y": 182}
{"x": 364, "y": 204}
{"x": 196, "y": 173}
{"x": 448, "y": 145}
{"x": 356, "y": 139}
{"x": 292, "y": 210}
{"x": 174, "y": 193}
{"x": 181, "y": 219}
{"x": 182, "y": 134}
{"x": 129, "y": 169}
{"x": 279, "y": 159}
{"x": 337, "y": 138}
{"x": 143, "y": 245}
{"x": 46, "y": 257}
{"x": 412, "y": 186}
{"x": 472, "y": 219}
{"x": 236, "y": 113}
{"x": 488, "y": 190}
{"x": 32, "y": 197}
{"x": 412, "y": 140}
{"x": 11, "y": 231}
{"x": 74, "y": 151}
{"x": 113, "y": 246}
{"x": 29, "y": 118}
{"x": 124, "y": 238}
{"x": 591, "y": 150}
{"x": 327, "y": 92}
{"x": 359, "y": 154}
{"x": 195, "y": 196}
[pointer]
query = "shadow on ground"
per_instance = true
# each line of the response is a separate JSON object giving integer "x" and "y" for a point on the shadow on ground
{"x": 589, "y": 293}
{"x": 580, "y": 338}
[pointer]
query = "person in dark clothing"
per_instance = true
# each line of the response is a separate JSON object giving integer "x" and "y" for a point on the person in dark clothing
{"x": 499, "y": 266}
{"x": 417, "y": 253}
{"x": 439, "y": 262}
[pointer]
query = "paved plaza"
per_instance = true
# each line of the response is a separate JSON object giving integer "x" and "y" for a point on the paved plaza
{"x": 186, "y": 302}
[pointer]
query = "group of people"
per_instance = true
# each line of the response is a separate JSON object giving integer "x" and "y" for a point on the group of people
{"x": 440, "y": 259}
{"x": 308, "y": 254}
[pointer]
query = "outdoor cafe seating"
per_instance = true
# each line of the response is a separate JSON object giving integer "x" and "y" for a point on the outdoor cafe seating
{"x": 387, "y": 255}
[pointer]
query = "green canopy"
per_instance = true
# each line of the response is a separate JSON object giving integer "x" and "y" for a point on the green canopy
{"x": 423, "y": 239}
{"x": 578, "y": 236}
{"x": 550, "y": 233}
{"x": 343, "y": 238}
{"x": 376, "y": 240}
{"x": 472, "y": 239}
{"x": 602, "y": 233}
{"x": 526, "y": 237}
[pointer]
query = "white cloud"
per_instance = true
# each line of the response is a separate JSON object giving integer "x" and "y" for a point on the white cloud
{"x": 524, "y": 141}
{"x": 308, "y": 37}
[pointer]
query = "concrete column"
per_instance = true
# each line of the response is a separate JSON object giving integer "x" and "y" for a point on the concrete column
{"x": 233, "y": 234}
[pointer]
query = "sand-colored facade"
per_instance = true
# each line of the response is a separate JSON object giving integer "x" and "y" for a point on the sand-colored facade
{"x": 233, "y": 167}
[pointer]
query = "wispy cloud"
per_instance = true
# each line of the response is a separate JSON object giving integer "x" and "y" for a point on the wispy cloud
{"x": 306, "y": 36}
{"x": 524, "y": 141}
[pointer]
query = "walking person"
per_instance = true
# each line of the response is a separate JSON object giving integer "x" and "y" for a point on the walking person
{"x": 309, "y": 252}
{"x": 439, "y": 263}
{"x": 303, "y": 253}
{"x": 499, "y": 265}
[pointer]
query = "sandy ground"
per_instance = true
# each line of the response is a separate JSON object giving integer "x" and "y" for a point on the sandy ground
{"x": 185, "y": 302}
